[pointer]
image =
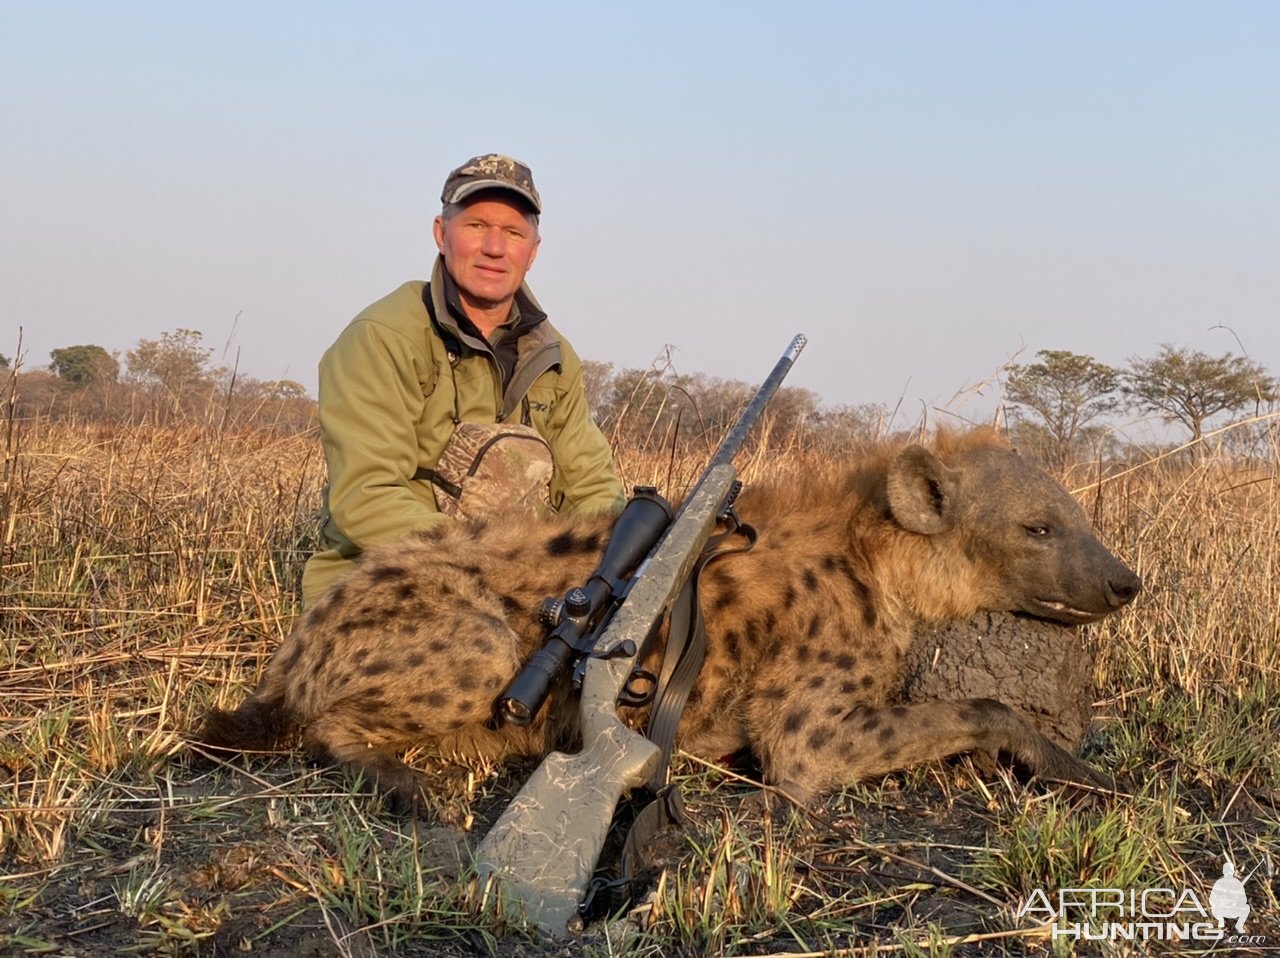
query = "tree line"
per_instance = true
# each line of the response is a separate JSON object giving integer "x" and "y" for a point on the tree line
{"x": 1059, "y": 404}
{"x": 1060, "y": 408}
{"x": 162, "y": 381}
{"x": 661, "y": 409}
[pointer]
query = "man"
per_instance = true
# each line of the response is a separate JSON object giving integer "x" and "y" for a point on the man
{"x": 470, "y": 349}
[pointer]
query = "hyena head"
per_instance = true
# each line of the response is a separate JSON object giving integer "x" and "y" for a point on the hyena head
{"x": 1029, "y": 542}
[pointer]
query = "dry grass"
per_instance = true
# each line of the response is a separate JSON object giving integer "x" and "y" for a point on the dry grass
{"x": 147, "y": 573}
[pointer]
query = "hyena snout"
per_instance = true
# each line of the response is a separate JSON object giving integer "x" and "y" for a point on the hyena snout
{"x": 1123, "y": 586}
{"x": 1116, "y": 584}
{"x": 1094, "y": 585}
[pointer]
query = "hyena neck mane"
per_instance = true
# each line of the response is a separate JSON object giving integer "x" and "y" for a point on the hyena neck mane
{"x": 838, "y": 528}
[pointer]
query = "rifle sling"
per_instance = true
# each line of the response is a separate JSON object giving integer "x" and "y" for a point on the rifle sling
{"x": 681, "y": 663}
{"x": 686, "y": 649}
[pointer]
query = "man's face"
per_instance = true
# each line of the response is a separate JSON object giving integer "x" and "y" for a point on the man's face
{"x": 488, "y": 246}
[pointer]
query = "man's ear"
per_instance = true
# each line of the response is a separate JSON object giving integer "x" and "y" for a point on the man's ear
{"x": 437, "y": 230}
{"x": 922, "y": 492}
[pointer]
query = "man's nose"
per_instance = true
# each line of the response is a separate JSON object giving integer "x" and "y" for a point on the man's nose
{"x": 495, "y": 242}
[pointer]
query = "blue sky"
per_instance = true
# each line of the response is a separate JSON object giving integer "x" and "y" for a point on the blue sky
{"x": 927, "y": 190}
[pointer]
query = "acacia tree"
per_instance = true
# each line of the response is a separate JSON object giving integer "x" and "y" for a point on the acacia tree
{"x": 1188, "y": 387}
{"x": 80, "y": 366}
{"x": 1062, "y": 394}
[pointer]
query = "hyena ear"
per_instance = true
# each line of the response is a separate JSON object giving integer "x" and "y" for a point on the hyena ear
{"x": 922, "y": 492}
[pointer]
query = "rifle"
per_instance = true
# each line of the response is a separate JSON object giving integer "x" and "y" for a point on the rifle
{"x": 542, "y": 852}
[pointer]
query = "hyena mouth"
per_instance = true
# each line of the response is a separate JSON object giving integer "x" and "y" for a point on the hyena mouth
{"x": 1053, "y": 609}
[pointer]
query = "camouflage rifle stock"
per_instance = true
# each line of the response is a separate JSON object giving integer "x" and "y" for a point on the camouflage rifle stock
{"x": 541, "y": 853}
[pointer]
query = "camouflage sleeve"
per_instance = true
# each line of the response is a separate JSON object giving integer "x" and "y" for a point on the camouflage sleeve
{"x": 371, "y": 397}
{"x": 584, "y": 480}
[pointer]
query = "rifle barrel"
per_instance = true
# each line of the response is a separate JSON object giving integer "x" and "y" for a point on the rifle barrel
{"x": 731, "y": 443}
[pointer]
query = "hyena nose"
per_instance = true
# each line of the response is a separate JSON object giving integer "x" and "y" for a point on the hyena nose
{"x": 1122, "y": 588}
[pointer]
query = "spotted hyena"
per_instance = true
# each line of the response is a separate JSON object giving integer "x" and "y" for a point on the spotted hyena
{"x": 806, "y": 634}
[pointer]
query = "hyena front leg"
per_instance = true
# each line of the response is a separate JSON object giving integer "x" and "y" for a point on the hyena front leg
{"x": 808, "y": 752}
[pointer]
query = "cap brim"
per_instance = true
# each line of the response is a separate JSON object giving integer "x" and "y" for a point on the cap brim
{"x": 475, "y": 186}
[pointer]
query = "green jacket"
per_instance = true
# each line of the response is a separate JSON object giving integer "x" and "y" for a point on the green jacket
{"x": 388, "y": 397}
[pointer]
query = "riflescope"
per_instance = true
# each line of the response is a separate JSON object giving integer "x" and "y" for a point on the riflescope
{"x": 575, "y": 618}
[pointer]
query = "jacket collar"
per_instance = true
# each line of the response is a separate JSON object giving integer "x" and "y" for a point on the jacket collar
{"x": 528, "y": 349}
{"x": 450, "y": 315}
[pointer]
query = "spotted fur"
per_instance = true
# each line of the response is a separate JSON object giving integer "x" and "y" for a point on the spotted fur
{"x": 806, "y": 634}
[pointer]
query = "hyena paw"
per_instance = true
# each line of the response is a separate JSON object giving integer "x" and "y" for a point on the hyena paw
{"x": 405, "y": 797}
{"x": 399, "y": 786}
{"x": 1058, "y": 765}
{"x": 784, "y": 804}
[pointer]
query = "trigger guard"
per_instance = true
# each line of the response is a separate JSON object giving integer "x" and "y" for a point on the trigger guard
{"x": 632, "y": 697}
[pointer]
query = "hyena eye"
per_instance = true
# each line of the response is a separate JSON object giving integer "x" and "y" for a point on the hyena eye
{"x": 1037, "y": 530}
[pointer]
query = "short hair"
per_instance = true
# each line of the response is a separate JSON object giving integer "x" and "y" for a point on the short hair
{"x": 453, "y": 209}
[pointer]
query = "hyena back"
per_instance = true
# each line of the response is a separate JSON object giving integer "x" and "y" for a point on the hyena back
{"x": 806, "y": 634}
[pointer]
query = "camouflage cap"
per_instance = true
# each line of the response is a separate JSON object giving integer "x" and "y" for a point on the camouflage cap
{"x": 492, "y": 171}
